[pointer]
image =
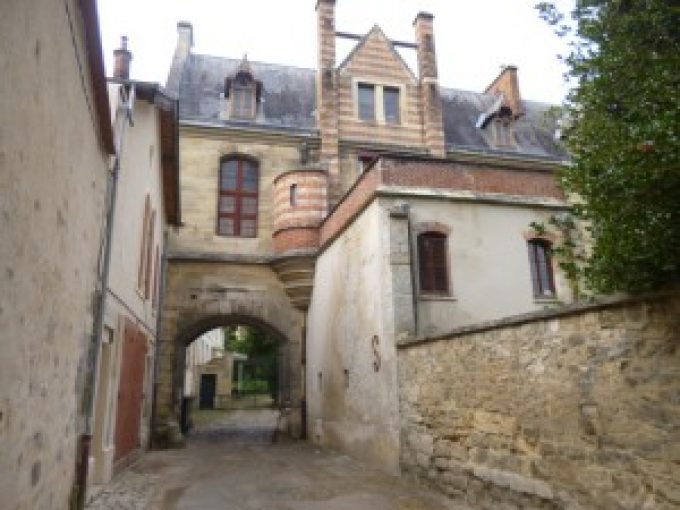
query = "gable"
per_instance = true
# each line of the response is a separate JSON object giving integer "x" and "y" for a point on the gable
{"x": 375, "y": 57}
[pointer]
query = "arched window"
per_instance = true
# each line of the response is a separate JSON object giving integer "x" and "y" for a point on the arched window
{"x": 237, "y": 201}
{"x": 433, "y": 263}
{"x": 540, "y": 252}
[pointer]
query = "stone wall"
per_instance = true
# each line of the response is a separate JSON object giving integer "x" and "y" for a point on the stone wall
{"x": 578, "y": 408}
{"x": 53, "y": 176}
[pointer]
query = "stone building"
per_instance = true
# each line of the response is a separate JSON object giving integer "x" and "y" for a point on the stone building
{"x": 53, "y": 99}
{"x": 347, "y": 207}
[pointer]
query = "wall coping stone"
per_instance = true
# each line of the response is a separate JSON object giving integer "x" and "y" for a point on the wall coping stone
{"x": 600, "y": 303}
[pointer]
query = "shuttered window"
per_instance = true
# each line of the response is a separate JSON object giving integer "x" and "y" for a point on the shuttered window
{"x": 541, "y": 268}
{"x": 238, "y": 197}
{"x": 433, "y": 263}
{"x": 243, "y": 106}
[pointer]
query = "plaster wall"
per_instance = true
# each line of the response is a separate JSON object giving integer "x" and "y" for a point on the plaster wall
{"x": 53, "y": 177}
{"x": 351, "y": 406}
{"x": 200, "y": 155}
{"x": 489, "y": 273}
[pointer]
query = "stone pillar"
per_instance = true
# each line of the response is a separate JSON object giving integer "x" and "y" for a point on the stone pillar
{"x": 433, "y": 127}
{"x": 326, "y": 94}
{"x": 401, "y": 271}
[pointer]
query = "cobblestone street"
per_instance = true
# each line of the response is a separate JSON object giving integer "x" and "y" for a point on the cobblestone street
{"x": 227, "y": 465}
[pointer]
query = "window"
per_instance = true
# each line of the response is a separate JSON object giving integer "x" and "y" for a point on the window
{"x": 391, "y": 105}
{"x": 149, "y": 256}
{"x": 156, "y": 280}
{"x": 243, "y": 101}
{"x": 293, "y": 195}
{"x": 366, "y": 102}
{"x": 433, "y": 263}
{"x": 541, "y": 268}
{"x": 141, "y": 273}
{"x": 237, "y": 201}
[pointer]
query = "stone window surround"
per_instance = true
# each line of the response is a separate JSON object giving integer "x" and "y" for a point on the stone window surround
{"x": 439, "y": 228}
{"x": 379, "y": 85}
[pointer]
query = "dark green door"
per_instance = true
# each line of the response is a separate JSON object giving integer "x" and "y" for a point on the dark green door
{"x": 207, "y": 396}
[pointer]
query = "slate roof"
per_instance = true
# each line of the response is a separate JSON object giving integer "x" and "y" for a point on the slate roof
{"x": 290, "y": 102}
{"x": 289, "y": 93}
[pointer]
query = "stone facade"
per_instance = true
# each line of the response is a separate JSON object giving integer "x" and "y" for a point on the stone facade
{"x": 570, "y": 409}
{"x": 52, "y": 203}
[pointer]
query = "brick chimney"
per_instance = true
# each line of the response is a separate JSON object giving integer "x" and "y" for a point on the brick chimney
{"x": 507, "y": 84}
{"x": 121, "y": 60}
{"x": 433, "y": 130}
{"x": 326, "y": 93}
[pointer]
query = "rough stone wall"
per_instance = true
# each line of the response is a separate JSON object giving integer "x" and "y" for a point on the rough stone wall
{"x": 52, "y": 183}
{"x": 571, "y": 409}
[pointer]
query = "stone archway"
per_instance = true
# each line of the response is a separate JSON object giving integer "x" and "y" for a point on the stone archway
{"x": 200, "y": 296}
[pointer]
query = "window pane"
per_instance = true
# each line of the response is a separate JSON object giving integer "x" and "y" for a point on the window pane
{"x": 248, "y": 228}
{"x": 249, "y": 177}
{"x": 391, "y": 103}
{"x": 226, "y": 226}
{"x": 293, "y": 195}
{"x": 249, "y": 206}
{"x": 227, "y": 204}
{"x": 366, "y": 102}
{"x": 433, "y": 267}
{"x": 228, "y": 175}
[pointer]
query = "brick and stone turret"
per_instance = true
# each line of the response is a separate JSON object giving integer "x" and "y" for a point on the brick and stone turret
{"x": 300, "y": 205}
{"x": 433, "y": 127}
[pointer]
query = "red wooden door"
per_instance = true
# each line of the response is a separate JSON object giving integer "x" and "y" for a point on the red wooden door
{"x": 130, "y": 390}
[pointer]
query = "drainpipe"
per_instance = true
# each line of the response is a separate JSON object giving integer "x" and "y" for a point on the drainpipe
{"x": 124, "y": 108}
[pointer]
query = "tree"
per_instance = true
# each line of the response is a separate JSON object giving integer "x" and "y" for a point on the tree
{"x": 622, "y": 121}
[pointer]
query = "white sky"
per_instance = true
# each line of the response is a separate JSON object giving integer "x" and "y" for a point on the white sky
{"x": 473, "y": 37}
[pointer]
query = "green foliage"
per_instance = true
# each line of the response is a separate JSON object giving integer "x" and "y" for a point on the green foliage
{"x": 621, "y": 129}
{"x": 250, "y": 341}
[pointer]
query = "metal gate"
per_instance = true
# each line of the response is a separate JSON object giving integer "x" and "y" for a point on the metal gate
{"x": 261, "y": 382}
{"x": 130, "y": 390}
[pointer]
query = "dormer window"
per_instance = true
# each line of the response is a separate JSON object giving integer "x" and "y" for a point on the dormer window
{"x": 243, "y": 93}
{"x": 243, "y": 98}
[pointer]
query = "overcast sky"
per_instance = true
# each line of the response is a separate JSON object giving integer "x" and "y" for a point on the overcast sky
{"x": 473, "y": 37}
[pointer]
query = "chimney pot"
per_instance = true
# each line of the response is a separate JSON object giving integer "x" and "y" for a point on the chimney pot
{"x": 121, "y": 60}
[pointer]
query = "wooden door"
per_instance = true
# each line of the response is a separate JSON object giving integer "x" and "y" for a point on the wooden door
{"x": 207, "y": 393}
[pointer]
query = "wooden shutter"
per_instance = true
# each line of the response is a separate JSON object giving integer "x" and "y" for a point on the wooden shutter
{"x": 433, "y": 263}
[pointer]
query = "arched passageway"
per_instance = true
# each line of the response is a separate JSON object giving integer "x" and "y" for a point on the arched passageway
{"x": 202, "y": 297}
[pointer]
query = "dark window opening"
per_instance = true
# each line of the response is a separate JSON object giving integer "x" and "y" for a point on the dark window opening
{"x": 293, "y": 195}
{"x": 540, "y": 260}
{"x": 391, "y": 105}
{"x": 366, "y": 102}
{"x": 238, "y": 198}
{"x": 433, "y": 263}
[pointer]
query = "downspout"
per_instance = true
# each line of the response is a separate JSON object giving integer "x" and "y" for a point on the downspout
{"x": 95, "y": 349}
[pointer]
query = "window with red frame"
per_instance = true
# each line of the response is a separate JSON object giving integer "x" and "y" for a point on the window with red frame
{"x": 237, "y": 201}
{"x": 433, "y": 263}
{"x": 540, "y": 260}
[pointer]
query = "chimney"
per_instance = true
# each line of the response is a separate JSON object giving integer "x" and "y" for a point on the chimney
{"x": 185, "y": 41}
{"x": 121, "y": 60}
{"x": 433, "y": 130}
{"x": 326, "y": 93}
{"x": 185, "y": 33}
{"x": 507, "y": 84}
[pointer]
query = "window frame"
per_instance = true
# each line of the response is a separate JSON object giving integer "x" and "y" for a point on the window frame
{"x": 247, "y": 90}
{"x": 238, "y": 193}
{"x": 397, "y": 91}
{"x": 362, "y": 85}
{"x": 542, "y": 272}
{"x": 443, "y": 265}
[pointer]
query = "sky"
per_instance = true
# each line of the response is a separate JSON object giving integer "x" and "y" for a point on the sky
{"x": 473, "y": 38}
